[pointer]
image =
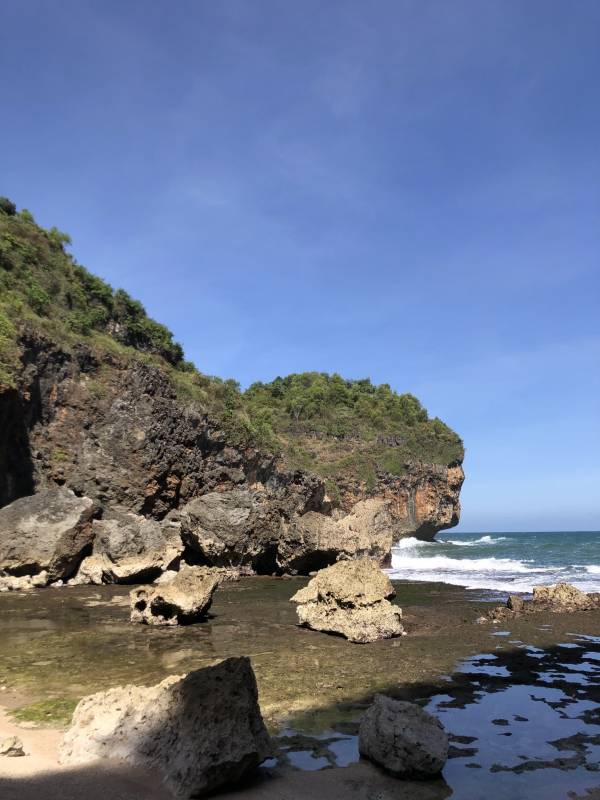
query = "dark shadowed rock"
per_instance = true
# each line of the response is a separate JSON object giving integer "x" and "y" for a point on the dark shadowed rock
{"x": 47, "y": 532}
{"x": 515, "y": 603}
{"x": 232, "y": 528}
{"x": 129, "y": 548}
{"x": 350, "y": 598}
{"x": 201, "y": 731}
{"x": 183, "y": 600}
{"x": 403, "y": 738}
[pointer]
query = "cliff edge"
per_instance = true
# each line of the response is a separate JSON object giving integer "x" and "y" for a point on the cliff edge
{"x": 287, "y": 476}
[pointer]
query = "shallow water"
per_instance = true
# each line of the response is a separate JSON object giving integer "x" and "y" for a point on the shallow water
{"x": 522, "y": 704}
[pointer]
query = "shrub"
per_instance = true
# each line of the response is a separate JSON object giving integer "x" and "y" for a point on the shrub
{"x": 37, "y": 298}
{"x": 7, "y": 207}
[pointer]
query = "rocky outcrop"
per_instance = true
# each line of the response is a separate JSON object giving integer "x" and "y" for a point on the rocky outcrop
{"x": 201, "y": 731}
{"x": 183, "y": 600}
{"x": 423, "y": 500}
{"x": 350, "y": 598}
{"x": 314, "y": 540}
{"x": 129, "y": 548}
{"x": 558, "y": 599}
{"x": 403, "y": 738}
{"x": 117, "y": 432}
{"x": 47, "y": 533}
{"x": 253, "y": 528}
{"x": 561, "y": 597}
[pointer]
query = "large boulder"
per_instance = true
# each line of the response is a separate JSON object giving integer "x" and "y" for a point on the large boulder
{"x": 402, "y": 738}
{"x": 180, "y": 601}
{"x": 561, "y": 597}
{"x": 46, "y": 532}
{"x": 201, "y": 731}
{"x": 129, "y": 548}
{"x": 231, "y": 528}
{"x": 350, "y": 598}
{"x": 314, "y": 540}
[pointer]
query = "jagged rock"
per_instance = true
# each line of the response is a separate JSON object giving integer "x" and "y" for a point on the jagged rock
{"x": 183, "y": 600}
{"x": 222, "y": 573}
{"x": 201, "y": 731}
{"x": 11, "y": 583}
{"x": 350, "y": 598}
{"x": 12, "y": 747}
{"x": 560, "y": 597}
{"x": 402, "y": 738}
{"x": 315, "y": 540}
{"x": 46, "y": 532}
{"x": 237, "y": 527}
{"x": 515, "y": 603}
{"x": 129, "y": 548}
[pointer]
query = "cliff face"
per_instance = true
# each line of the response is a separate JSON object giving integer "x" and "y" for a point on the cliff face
{"x": 117, "y": 433}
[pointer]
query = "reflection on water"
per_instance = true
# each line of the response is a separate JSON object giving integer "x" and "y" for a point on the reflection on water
{"x": 523, "y": 723}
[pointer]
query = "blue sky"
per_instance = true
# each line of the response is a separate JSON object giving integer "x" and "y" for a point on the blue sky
{"x": 406, "y": 190}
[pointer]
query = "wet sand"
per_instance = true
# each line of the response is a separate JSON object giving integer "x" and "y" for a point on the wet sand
{"x": 64, "y": 643}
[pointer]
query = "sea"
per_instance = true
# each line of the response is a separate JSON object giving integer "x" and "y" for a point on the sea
{"x": 502, "y": 562}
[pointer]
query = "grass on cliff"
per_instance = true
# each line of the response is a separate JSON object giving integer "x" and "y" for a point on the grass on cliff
{"x": 319, "y": 422}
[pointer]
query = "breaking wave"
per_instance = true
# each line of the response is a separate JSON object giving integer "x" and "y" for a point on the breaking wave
{"x": 504, "y": 563}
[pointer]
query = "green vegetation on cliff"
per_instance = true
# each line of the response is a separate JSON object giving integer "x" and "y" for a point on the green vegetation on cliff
{"x": 335, "y": 426}
{"x": 41, "y": 282}
{"x": 323, "y": 423}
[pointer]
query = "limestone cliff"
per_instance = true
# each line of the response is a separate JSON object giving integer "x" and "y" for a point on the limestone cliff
{"x": 291, "y": 475}
{"x": 117, "y": 433}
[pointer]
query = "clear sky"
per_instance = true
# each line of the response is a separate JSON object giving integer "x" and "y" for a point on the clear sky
{"x": 406, "y": 190}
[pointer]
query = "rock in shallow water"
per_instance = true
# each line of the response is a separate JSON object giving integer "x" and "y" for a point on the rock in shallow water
{"x": 201, "y": 731}
{"x": 183, "y": 600}
{"x": 403, "y": 738}
{"x": 47, "y": 532}
{"x": 350, "y": 598}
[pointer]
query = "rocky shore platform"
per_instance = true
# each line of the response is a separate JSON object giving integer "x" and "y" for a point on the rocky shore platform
{"x": 519, "y": 699}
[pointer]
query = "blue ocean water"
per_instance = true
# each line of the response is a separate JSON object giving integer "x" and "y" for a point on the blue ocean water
{"x": 503, "y": 562}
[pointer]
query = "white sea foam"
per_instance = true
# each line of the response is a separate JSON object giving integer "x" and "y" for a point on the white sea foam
{"x": 511, "y": 567}
{"x": 473, "y": 542}
{"x": 410, "y": 543}
{"x": 445, "y": 563}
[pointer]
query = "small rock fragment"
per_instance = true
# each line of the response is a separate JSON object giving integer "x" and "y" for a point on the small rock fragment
{"x": 12, "y": 747}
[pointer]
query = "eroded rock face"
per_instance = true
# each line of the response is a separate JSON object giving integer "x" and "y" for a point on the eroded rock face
{"x": 350, "y": 598}
{"x": 313, "y": 540}
{"x": 129, "y": 548}
{"x": 48, "y": 532}
{"x": 183, "y": 600}
{"x": 118, "y": 433}
{"x": 403, "y": 738}
{"x": 201, "y": 731}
